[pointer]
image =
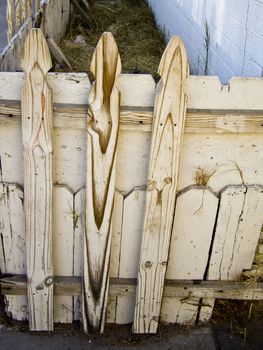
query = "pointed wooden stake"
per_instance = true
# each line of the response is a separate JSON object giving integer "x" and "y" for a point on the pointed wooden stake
{"x": 102, "y": 134}
{"x": 169, "y": 116}
{"x": 37, "y": 133}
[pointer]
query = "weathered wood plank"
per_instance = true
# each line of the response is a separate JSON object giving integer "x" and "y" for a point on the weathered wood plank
{"x": 237, "y": 232}
{"x": 168, "y": 128}
{"x": 63, "y": 247}
{"x": 181, "y": 310}
{"x": 116, "y": 234}
{"x": 16, "y": 285}
{"x": 58, "y": 54}
{"x": 131, "y": 235}
{"x": 140, "y": 119}
{"x": 13, "y": 243}
{"x": 76, "y": 87}
{"x": 138, "y": 90}
{"x": 102, "y": 134}
{"x": 193, "y": 226}
{"x": 222, "y": 157}
{"x": 37, "y": 135}
{"x": 78, "y": 217}
{"x": 208, "y": 93}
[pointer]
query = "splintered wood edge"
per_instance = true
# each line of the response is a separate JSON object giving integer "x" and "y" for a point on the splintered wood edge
{"x": 71, "y": 286}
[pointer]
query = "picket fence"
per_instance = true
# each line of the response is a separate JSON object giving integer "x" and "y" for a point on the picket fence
{"x": 125, "y": 201}
{"x": 52, "y": 16}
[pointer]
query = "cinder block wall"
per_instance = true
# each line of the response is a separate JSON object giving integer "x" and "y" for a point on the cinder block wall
{"x": 236, "y": 31}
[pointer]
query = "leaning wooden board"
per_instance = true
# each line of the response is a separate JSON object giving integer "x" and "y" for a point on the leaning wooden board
{"x": 168, "y": 128}
{"x": 38, "y": 181}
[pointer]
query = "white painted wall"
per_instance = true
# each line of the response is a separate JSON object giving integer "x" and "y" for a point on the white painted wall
{"x": 236, "y": 30}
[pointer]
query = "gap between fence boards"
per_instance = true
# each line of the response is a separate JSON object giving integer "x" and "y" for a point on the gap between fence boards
{"x": 71, "y": 286}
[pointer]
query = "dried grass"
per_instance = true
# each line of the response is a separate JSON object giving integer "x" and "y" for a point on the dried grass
{"x": 131, "y": 22}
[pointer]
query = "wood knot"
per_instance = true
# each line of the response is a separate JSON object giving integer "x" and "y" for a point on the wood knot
{"x": 167, "y": 180}
{"x": 40, "y": 286}
{"x": 48, "y": 281}
{"x": 151, "y": 185}
{"x": 148, "y": 264}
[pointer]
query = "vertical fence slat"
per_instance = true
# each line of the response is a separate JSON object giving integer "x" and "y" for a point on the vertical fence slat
{"x": 11, "y": 19}
{"x": 237, "y": 232}
{"x": 12, "y": 244}
{"x": 37, "y": 134}
{"x": 102, "y": 134}
{"x": 168, "y": 128}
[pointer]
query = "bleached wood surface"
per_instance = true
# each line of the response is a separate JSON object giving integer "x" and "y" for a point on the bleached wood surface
{"x": 16, "y": 285}
{"x": 63, "y": 247}
{"x": 192, "y": 234}
{"x": 237, "y": 232}
{"x": 223, "y": 141}
{"x": 38, "y": 180}
{"x": 193, "y": 226}
{"x": 13, "y": 243}
{"x": 169, "y": 117}
{"x": 102, "y": 134}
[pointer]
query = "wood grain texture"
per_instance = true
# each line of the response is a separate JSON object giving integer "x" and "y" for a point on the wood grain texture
{"x": 194, "y": 221}
{"x": 64, "y": 222}
{"x": 169, "y": 116}
{"x": 16, "y": 285}
{"x": 38, "y": 182}
{"x": 237, "y": 232}
{"x": 102, "y": 133}
{"x": 13, "y": 243}
{"x": 10, "y": 18}
{"x": 193, "y": 226}
{"x": 17, "y": 12}
{"x": 208, "y": 93}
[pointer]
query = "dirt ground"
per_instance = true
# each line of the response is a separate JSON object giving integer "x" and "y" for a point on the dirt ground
{"x": 169, "y": 337}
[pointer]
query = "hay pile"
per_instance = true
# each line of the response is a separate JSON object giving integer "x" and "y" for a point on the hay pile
{"x": 131, "y": 22}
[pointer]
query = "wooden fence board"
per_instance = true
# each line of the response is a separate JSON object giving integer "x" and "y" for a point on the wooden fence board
{"x": 194, "y": 221}
{"x": 221, "y": 156}
{"x": 63, "y": 246}
{"x": 13, "y": 243}
{"x": 208, "y": 93}
{"x": 102, "y": 135}
{"x": 160, "y": 201}
{"x": 79, "y": 200}
{"x": 131, "y": 235}
{"x": 193, "y": 226}
{"x": 37, "y": 134}
{"x": 238, "y": 228}
{"x": 116, "y": 234}
{"x": 229, "y": 290}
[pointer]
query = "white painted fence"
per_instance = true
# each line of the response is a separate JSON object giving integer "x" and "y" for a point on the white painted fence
{"x": 181, "y": 163}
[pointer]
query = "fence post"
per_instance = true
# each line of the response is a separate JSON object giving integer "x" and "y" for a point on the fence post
{"x": 38, "y": 183}
{"x": 168, "y": 127}
{"x": 102, "y": 133}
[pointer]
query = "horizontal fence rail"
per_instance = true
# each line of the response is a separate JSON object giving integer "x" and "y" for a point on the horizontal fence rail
{"x": 139, "y": 202}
